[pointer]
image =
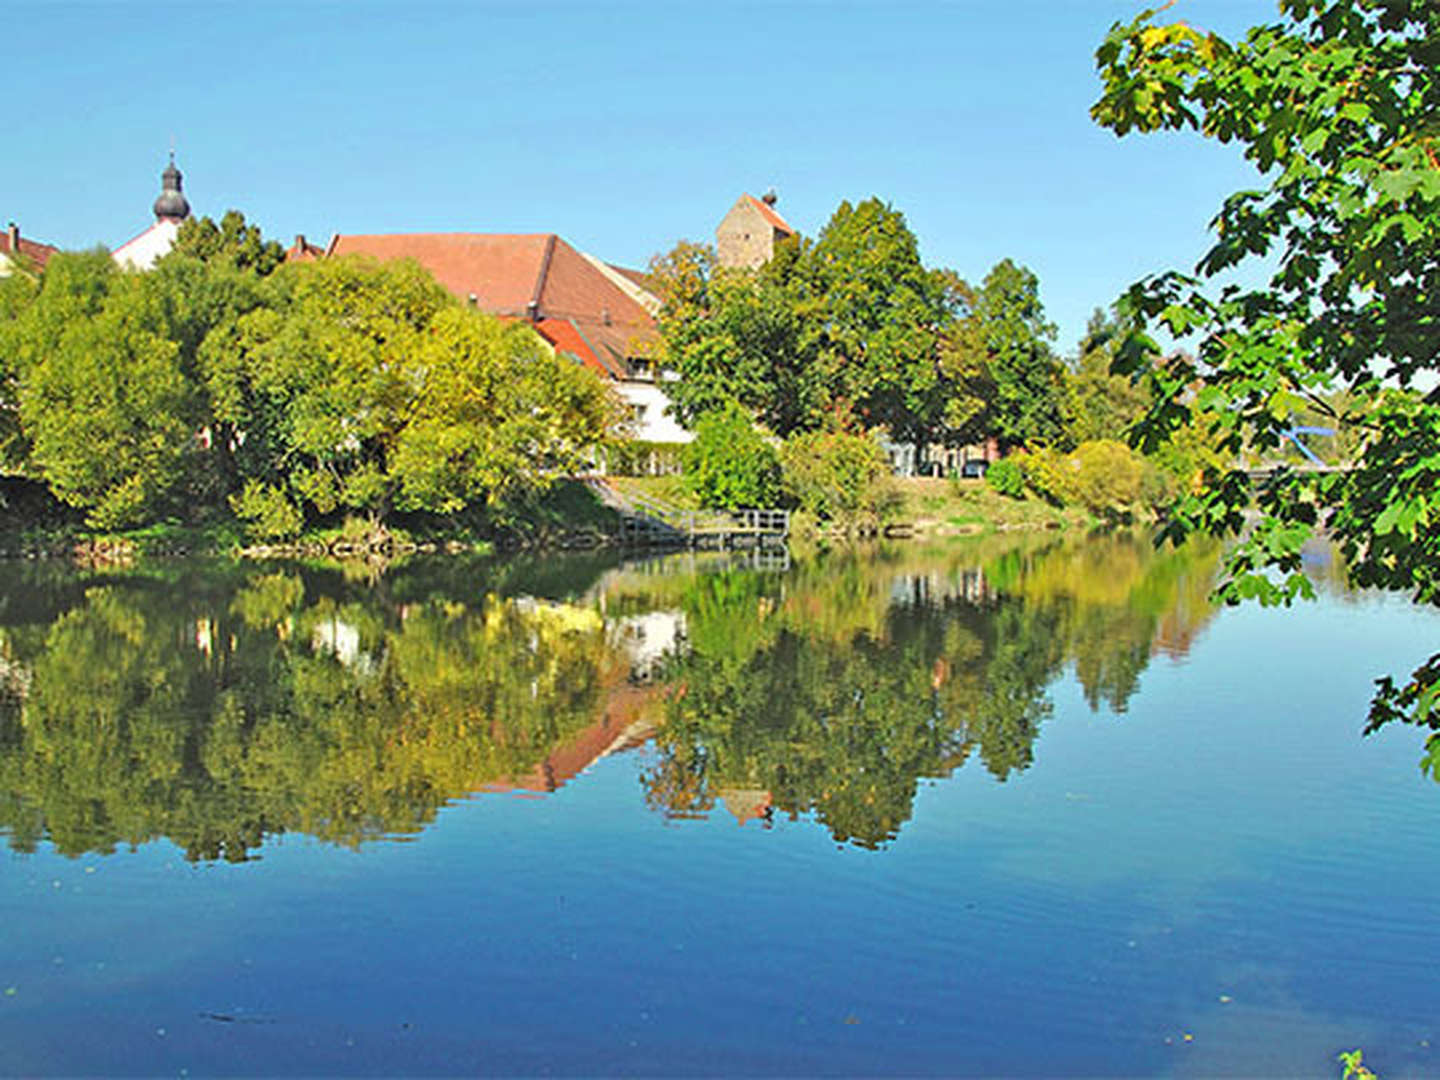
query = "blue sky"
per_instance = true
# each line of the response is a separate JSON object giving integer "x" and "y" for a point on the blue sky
{"x": 622, "y": 126}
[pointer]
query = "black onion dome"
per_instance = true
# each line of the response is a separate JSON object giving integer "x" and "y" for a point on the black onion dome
{"x": 172, "y": 202}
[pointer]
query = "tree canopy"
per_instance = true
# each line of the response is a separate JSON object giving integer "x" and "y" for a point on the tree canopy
{"x": 1336, "y": 104}
{"x": 842, "y": 331}
{"x": 289, "y": 392}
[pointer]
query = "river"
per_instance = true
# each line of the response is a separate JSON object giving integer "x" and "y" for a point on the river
{"x": 1026, "y": 807}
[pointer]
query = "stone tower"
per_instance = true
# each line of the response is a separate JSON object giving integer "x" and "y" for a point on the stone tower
{"x": 747, "y": 235}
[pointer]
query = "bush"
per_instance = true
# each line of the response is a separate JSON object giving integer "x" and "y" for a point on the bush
{"x": 267, "y": 513}
{"x": 730, "y": 466}
{"x": 1104, "y": 476}
{"x": 838, "y": 477}
{"x": 1006, "y": 477}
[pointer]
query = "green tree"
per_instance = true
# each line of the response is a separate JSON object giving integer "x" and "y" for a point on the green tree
{"x": 877, "y": 314}
{"x": 1014, "y": 337}
{"x": 1097, "y": 404}
{"x": 843, "y": 331}
{"x": 969, "y": 388}
{"x": 729, "y": 465}
{"x": 232, "y": 243}
{"x": 17, "y": 293}
{"x": 104, "y": 401}
{"x": 837, "y": 476}
{"x": 1336, "y": 105}
{"x": 733, "y": 337}
{"x": 365, "y": 386}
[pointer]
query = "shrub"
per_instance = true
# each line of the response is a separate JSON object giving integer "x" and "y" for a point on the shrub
{"x": 1104, "y": 476}
{"x": 730, "y": 466}
{"x": 267, "y": 513}
{"x": 838, "y": 477}
{"x": 1006, "y": 477}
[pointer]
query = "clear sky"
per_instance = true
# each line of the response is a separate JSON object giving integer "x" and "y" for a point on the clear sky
{"x": 623, "y": 126}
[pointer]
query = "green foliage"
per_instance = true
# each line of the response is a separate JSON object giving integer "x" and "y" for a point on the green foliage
{"x": 232, "y": 243}
{"x": 222, "y": 378}
{"x": 267, "y": 512}
{"x": 365, "y": 387}
{"x": 1336, "y": 106}
{"x": 1097, "y": 404}
{"x": 1104, "y": 476}
{"x": 846, "y": 328}
{"x": 1006, "y": 476}
{"x": 872, "y": 337}
{"x": 733, "y": 337}
{"x": 107, "y": 407}
{"x": 837, "y": 476}
{"x": 1015, "y": 337}
{"x": 730, "y": 465}
{"x": 17, "y": 293}
{"x": 1355, "y": 1069}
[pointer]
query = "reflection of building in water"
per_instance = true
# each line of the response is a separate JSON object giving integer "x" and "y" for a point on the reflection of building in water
{"x": 932, "y": 587}
{"x": 14, "y": 676}
{"x": 342, "y": 641}
{"x": 627, "y": 721}
{"x": 648, "y": 640}
{"x": 630, "y": 706}
{"x": 1176, "y": 632}
{"x": 748, "y": 804}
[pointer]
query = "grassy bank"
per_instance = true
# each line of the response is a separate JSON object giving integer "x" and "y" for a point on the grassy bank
{"x": 930, "y": 507}
{"x": 964, "y": 507}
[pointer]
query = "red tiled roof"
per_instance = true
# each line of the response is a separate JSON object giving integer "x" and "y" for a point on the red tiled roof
{"x": 639, "y": 277}
{"x": 536, "y": 276}
{"x": 303, "y": 251}
{"x": 31, "y": 249}
{"x": 768, "y": 213}
{"x": 567, "y": 337}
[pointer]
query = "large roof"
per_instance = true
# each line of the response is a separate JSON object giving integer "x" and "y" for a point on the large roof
{"x": 590, "y": 312}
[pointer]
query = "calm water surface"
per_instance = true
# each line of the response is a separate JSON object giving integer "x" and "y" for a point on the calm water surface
{"x": 1026, "y": 808}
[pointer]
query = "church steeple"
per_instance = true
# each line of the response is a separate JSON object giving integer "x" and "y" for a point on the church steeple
{"x": 171, "y": 205}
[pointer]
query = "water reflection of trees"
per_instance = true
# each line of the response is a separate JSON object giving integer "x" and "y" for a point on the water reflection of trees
{"x": 218, "y": 709}
{"x": 216, "y": 706}
{"x": 835, "y": 690}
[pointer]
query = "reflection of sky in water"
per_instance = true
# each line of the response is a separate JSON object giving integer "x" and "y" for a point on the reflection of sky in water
{"x": 1228, "y": 860}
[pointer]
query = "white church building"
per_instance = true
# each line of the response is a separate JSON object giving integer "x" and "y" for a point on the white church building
{"x": 171, "y": 208}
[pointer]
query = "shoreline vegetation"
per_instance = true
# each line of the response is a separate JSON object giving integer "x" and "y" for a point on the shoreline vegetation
{"x": 36, "y": 526}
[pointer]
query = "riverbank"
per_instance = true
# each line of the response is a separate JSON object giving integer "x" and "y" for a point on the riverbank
{"x": 570, "y": 516}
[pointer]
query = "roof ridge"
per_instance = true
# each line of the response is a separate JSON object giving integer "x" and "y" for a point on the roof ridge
{"x": 544, "y": 273}
{"x": 770, "y": 214}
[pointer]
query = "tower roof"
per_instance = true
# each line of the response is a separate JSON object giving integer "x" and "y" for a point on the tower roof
{"x": 172, "y": 204}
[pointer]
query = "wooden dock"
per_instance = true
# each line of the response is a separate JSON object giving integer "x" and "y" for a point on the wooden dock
{"x": 706, "y": 529}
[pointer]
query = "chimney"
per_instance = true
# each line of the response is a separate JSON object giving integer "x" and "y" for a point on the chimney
{"x": 300, "y": 244}
{"x": 12, "y": 232}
